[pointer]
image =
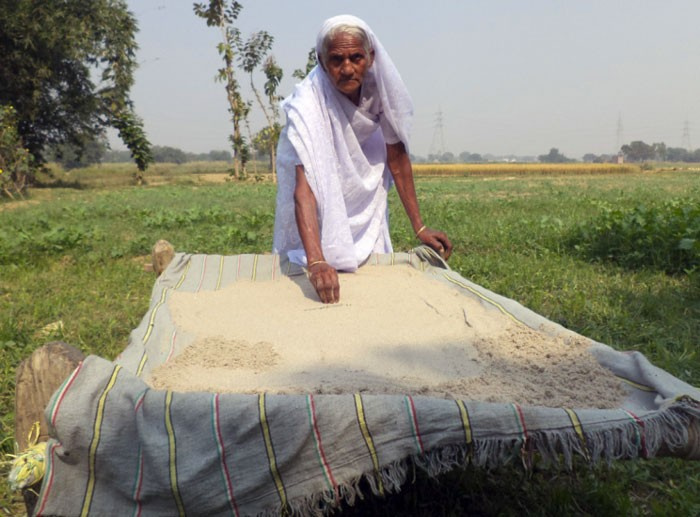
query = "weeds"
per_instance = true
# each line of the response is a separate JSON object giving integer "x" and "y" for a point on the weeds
{"x": 664, "y": 236}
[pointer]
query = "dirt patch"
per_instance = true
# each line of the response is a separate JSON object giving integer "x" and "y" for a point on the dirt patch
{"x": 12, "y": 205}
{"x": 213, "y": 178}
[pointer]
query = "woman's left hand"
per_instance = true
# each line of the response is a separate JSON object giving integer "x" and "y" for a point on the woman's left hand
{"x": 437, "y": 240}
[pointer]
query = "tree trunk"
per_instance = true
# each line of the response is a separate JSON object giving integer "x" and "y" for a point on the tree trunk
{"x": 273, "y": 162}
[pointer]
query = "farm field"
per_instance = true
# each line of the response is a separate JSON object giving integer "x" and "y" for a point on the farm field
{"x": 71, "y": 268}
{"x": 521, "y": 169}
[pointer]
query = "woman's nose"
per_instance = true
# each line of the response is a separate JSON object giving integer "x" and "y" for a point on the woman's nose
{"x": 346, "y": 68}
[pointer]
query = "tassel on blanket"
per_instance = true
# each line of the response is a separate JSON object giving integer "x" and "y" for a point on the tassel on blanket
{"x": 29, "y": 466}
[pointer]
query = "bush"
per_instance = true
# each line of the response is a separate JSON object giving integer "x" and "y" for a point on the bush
{"x": 665, "y": 237}
{"x": 16, "y": 164}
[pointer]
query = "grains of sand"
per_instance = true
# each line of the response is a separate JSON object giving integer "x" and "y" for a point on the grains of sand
{"x": 394, "y": 331}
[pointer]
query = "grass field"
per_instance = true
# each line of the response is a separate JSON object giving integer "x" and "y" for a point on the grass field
{"x": 522, "y": 169}
{"x": 71, "y": 268}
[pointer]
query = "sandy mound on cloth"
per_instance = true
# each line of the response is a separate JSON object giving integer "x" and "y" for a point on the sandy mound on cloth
{"x": 394, "y": 331}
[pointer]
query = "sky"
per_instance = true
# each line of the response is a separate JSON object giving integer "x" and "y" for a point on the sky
{"x": 501, "y": 77}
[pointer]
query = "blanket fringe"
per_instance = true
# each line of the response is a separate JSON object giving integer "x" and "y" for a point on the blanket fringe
{"x": 667, "y": 429}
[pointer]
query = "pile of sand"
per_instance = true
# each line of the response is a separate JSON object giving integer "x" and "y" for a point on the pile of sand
{"x": 394, "y": 331}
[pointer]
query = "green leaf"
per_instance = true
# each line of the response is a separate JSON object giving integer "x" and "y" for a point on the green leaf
{"x": 686, "y": 244}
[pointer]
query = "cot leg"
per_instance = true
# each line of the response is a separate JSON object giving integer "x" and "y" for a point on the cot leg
{"x": 37, "y": 378}
{"x": 163, "y": 252}
{"x": 691, "y": 451}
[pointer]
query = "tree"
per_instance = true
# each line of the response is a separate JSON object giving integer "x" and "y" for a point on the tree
{"x": 554, "y": 156}
{"x": 659, "y": 151}
{"x": 49, "y": 53}
{"x": 638, "y": 151}
{"x": 447, "y": 157}
{"x": 251, "y": 54}
{"x": 116, "y": 156}
{"x": 273, "y": 74}
{"x": 677, "y": 154}
{"x": 265, "y": 142}
{"x": 132, "y": 134}
{"x": 223, "y": 14}
{"x": 311, "y": 61}
{"x": 73, "y": 158}
{"x": 15, "y": 161}
{"x": 219, "y": 156}
{"x": 166, "y": 154}
{"x": 467, "y": 157}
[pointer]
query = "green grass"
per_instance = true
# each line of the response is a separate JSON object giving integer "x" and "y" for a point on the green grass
{"x": 77, "y": 255}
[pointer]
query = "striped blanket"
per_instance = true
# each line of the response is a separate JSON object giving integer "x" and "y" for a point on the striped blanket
{"x": 121, "y": 448}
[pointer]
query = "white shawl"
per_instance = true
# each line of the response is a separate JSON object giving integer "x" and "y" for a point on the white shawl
{"x": 343, "y": 151}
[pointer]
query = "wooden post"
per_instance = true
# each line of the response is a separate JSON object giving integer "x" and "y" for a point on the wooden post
{"x": 163, "y": 252}
{"x": 689, "y": 451}
{"x": 38, "y": 377}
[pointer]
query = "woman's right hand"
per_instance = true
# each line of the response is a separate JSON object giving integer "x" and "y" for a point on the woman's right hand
{"x": 324, "y": 278}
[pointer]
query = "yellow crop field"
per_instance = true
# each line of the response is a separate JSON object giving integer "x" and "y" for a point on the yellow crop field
{"x": 517, "y": 169}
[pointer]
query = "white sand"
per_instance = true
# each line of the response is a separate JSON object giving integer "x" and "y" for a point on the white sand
{"x": 394, "y": 331}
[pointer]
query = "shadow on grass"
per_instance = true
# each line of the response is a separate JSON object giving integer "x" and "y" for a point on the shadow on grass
{"x": 506, "y": 490}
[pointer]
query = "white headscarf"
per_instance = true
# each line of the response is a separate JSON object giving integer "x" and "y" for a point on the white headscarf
{"x": 344, "y": 158}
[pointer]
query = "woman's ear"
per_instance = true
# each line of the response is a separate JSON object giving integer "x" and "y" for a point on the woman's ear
{"x": 320, "y": 61}
{"x": 371, "y": 57}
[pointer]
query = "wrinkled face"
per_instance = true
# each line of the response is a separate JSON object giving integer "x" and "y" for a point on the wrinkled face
{"x": 346, "y": 64}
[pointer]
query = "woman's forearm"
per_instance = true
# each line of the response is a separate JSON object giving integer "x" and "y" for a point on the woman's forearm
{"x": 401, "y": 170}
{"x": 400, "y": 166}
{"x": 306, "y": 213}
{"x": 323, "y": 276}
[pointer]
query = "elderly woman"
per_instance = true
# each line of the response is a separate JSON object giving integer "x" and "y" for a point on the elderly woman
{"x": 345, "y": 140}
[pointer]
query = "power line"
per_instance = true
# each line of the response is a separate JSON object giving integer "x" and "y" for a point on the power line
{"x": 685, "y": 143}
{"x": 620, "y": 139}
{"x": 437, "y": 146}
